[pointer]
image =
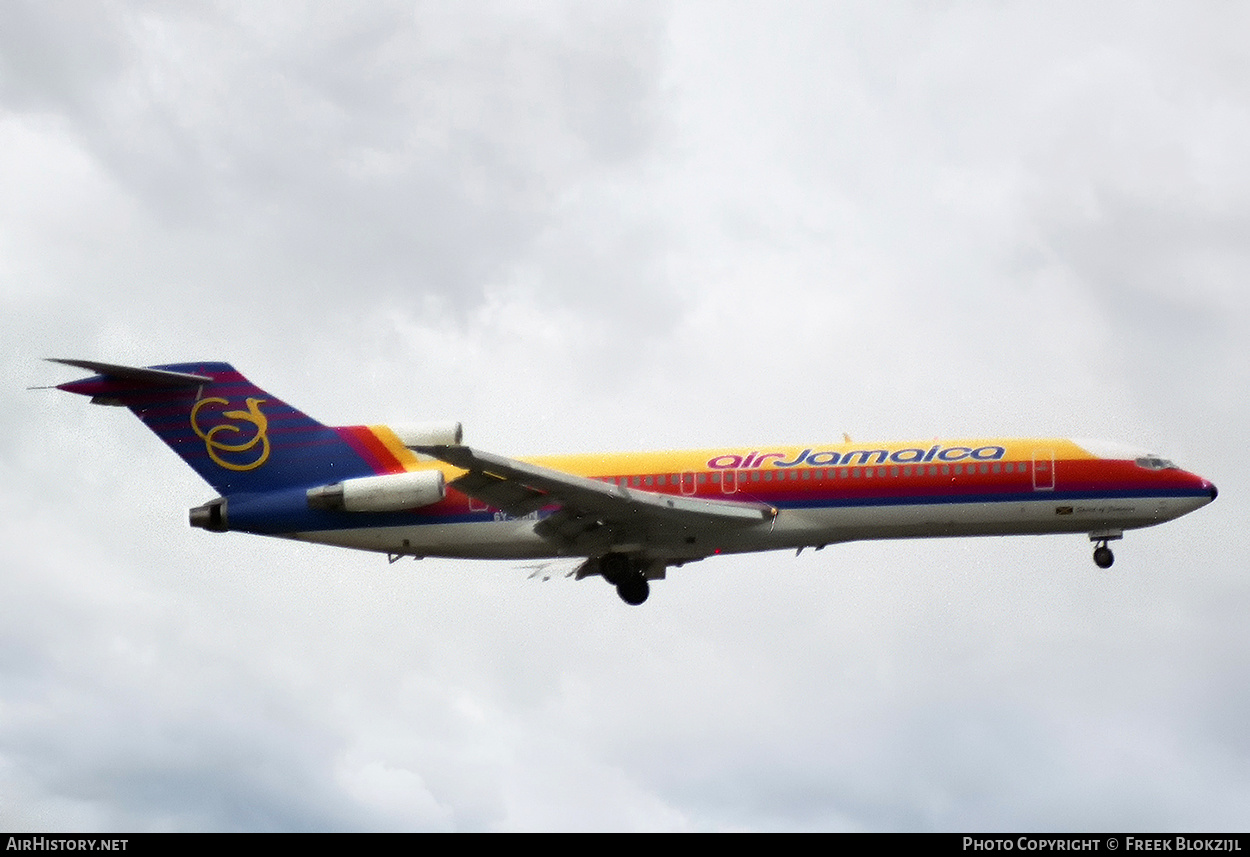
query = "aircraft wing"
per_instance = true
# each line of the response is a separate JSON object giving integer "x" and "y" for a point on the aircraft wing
{"x": 589, "y": 510}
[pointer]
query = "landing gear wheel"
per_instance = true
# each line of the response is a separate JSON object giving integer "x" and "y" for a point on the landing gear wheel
{"x": 1103, "y": 557}
{"x": 615, "y": 568}
{"x": 634, "y": 591}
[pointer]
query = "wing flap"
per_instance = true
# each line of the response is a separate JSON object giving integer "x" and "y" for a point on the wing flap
{"x": 511, "y": 497}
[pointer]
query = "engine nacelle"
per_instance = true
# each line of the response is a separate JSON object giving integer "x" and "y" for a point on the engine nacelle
{"x": 393, "y": 492}
{"x": 429, "y": 434}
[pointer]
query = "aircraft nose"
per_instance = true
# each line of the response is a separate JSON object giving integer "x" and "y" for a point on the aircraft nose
{"x": 1211, "y": 487}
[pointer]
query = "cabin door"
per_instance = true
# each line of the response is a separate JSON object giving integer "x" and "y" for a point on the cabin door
{"x": 1043, "y": 470}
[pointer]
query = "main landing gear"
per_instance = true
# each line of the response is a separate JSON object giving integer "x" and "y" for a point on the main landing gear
{"x": 627, "y": 574}
{"x": 1103, "y": 557}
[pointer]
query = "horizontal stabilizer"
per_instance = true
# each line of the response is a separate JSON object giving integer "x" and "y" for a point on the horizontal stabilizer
{"x": 137, "y": 375}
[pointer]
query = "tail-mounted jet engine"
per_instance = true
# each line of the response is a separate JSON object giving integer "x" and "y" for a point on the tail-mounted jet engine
{"x": 393, "y": 492}
{"x": 429, "y": 434}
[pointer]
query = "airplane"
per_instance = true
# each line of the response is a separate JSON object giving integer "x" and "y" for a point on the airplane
{"x": 417, "y": 490}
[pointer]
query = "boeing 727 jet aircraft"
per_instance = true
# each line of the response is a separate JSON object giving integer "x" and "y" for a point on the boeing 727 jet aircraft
{"x": 418, "y": 491}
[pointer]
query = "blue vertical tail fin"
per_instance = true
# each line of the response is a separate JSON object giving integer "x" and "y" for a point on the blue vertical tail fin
{"x": 236, "y": 436}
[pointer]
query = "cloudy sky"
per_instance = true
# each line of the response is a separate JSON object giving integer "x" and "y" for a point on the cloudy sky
{"x": 597, "y": 226}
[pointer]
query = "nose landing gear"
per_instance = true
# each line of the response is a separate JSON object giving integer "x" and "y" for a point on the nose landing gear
{"x": 1103, "y": 557}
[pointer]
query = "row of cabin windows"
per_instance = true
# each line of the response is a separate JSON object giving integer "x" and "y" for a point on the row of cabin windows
{"x": 819, "y": 473}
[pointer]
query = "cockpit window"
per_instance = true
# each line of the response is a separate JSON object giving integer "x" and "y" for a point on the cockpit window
{"x": 1154, "y": 462}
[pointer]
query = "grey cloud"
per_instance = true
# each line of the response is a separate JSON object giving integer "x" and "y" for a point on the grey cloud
{"x": 440, "y": 141}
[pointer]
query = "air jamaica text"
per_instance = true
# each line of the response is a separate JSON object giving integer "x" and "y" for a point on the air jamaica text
{"x": 826, "y": 458}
